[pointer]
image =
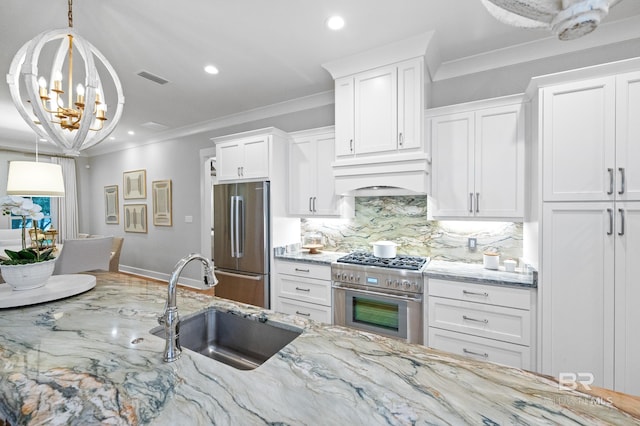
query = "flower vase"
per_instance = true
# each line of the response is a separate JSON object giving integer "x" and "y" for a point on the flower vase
{"x": 28, "y": 276}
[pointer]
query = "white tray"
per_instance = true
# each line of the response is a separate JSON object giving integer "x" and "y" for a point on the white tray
{"x": 57, "y": 287}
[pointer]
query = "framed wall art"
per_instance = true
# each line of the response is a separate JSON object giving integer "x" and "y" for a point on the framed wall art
{"x": 161, "y": 195}
{"x": 135, "y": 184}
{"x": 135, "y": 218}
{"x": 111, "y": 210}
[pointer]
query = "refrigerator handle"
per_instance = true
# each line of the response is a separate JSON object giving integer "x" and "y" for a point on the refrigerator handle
{"x": 232, "y": 228}
{"x": 240, "y": 221}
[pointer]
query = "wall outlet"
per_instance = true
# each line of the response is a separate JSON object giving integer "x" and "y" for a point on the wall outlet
{"x": 472, "y": 244}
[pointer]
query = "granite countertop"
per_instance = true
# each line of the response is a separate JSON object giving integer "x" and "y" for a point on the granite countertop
{"x": 322, "y": 257}
{"x": 90, "y": 359}
{"x": 472, "y": 272}
{"x": 455, "y": 271}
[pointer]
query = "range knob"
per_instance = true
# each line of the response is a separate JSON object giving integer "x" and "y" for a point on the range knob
{"x": 396, "y": 284}
{"x": 415, "y": 286}
{"x": 406, "y": 284}
{"x": 351, "y": 277}
{"x": 357, "y": 278}
{"x": 344, "y": 277}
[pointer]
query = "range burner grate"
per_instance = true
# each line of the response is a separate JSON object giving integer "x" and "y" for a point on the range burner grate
{"x": 413, "y": 263}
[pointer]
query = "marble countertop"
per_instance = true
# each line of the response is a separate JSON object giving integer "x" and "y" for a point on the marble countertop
{"x": 472, "y": 272}
{"x": 456, "y": 271}
{"x": 90, "y": 359}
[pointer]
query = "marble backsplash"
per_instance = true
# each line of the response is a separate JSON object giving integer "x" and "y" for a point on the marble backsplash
{"x": 404, "y": 220}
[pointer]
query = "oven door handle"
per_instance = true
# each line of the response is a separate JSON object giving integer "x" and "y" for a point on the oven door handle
{"x": 379, "y": 294}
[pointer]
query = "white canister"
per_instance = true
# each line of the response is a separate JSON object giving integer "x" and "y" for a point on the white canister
{"x": 510, "y": 265}
{"x": 491, "y": 260}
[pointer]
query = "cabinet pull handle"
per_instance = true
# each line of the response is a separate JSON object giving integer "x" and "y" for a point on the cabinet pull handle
{"x": 610, "y": 211}
{"x": 621, "y": 211}
{"x": 351, "y": 145}
{"x": 238, "y": 171}
{"x": 471, "y": 202}
{"x": 401, "y": 139}
{"x": 466, "y": 318}
{"x": 314, "y": 204}
{"x": 468, "y": 352}
{"x": 474, "y": 293}
{"x": 303, "y": 314}
{"x": 621, "y": 170}
{"x": 310, "y": 209}
{"x": 610, "y": 181}
{"x": 242, "y": 170}
{"x": 303, "y": 289}
{"x": 301, "y": 270}
{"x": 477, "y": 202}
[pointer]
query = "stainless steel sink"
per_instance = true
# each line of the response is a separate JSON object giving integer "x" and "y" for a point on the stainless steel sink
{"x": 243, "y": 343}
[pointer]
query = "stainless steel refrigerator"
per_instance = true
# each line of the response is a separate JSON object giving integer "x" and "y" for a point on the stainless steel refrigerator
{"x": 241, "y": 242}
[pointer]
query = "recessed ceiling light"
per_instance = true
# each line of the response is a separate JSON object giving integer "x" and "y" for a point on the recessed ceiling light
{"x": 131, "y": 132}
{"x": 211, "y": 69}
{"x": 335, "y": 22}
{"x": 112, "y": 138}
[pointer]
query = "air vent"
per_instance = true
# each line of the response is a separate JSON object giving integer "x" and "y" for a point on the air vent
{"x": 152, "y": 125}
{"x": 153, "y": 77}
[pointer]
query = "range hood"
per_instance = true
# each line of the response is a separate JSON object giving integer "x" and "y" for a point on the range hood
{"x": 371, "y": 178}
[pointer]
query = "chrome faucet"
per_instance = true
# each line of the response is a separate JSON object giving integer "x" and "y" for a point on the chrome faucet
{"x": 169, "y": 317}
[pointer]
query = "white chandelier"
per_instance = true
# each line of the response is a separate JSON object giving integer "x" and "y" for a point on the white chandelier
{"x": 78, "y": 123}
{"x": 567, "y": 19}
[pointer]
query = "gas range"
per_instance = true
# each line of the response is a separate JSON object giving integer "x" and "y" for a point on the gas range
{"x": 401, "y": 274}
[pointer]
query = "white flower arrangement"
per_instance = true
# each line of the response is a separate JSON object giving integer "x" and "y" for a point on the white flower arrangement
{"x": 27, "y": 209}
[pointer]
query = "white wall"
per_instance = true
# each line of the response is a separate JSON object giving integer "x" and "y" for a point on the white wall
{"x": 156, "y": 252}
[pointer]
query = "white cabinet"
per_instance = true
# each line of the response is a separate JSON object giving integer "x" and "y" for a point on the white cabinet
{"x": 304, "y": 289}
{"x": 587, "y": 218}
{"x": 590, "y": 139}
{"x": 487, "y": 322}
{"x": 380, "y": 110}
{"x": 311, "y": 182}
{"x": 478, "y": 161}
{"x": 246, "y": 158}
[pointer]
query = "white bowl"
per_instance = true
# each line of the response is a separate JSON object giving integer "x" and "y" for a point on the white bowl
{"x": 29, "y": 276}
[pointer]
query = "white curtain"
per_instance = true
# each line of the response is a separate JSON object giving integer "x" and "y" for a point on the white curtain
{"x": 67, "y": 205}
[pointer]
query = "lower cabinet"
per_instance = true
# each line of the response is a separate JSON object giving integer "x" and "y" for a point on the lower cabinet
{"x": 304, "y": 289}
{"x": 486, "y": 322}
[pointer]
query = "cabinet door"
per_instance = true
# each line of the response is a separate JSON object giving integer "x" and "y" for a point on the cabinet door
{"x": 499, "y": 162}
{"x": 344, "y": 117}
{"x": 256, "y": 158}
{"x": 628, "y": 137}
{"x": 578, "y": 140}
{"x": 229, "y": 157}
{"x": 452, "y": 150}
{"x": 326, "y": 201}
{"x": 577, "y": 290}
{"x": 302, "y": 175}
{"x": 627, "y": 336}
{"x": 410, "y": 104}
{"x": 376, "y": 110}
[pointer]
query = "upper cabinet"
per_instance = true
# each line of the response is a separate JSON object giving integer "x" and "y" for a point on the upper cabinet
{"x": 311, "y": 190}
{"x": 380, "y": 110}
{"x": 478, "y": 160}
{"x": 379, "y": 118}
{"x": 247, "y": 156}
{"x": 596, "y": 120}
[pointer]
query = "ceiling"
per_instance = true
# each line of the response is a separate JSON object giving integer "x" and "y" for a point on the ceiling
{"x": 268, "y": 52}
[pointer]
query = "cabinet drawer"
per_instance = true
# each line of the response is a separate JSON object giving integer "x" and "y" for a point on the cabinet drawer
{"x": 481, "y": 348}
{"x": 305, "y": 310}
{"x": 304, "y": 289}
{"x": 304, "y": 269}
{"x": 494, "y": 322}
{"x": 494, "y": 295}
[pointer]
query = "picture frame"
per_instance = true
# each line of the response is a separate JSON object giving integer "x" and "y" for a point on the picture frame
{"x": 111, "y": 208}
{"x": 135, "y": 218}
{"x": 162, "y": 203}
{"x": 134, "y": 184}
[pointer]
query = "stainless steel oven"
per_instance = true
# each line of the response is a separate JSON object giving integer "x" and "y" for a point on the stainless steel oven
{"x": 383, "y": 296}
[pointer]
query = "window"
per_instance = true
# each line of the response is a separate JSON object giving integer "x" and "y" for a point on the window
{"x": 44, "y": 224}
